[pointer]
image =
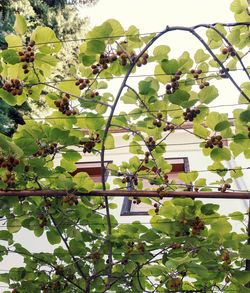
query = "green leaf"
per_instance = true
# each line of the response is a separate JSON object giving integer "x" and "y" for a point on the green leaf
{"x": 209, "y": 208}
{"x": 83, "y": 182}
{"x": 237, "y": 216}
{"x": 199, "y": 270}
{"x": 221, "y": 226}
{"x": 169, "y": 66}
{"x": 101, "y": 31}
{"x": 245, "y": 252}
{"x": 92, "y": 122}
{"x": 20, "y": 25}
{"x": 95, "y": 47}
{"x": 200, "y": 56}
{"x": 129, "y": 97}
{"x": 6, "y": 235}
{"x": 8, "y": 98}
{"x": 179, "y": 97}
{"x": 188, "y": 177}
{"x": 43, "y": 36}
{"x": 161, "y": 52}
{"x": 178, "y": 201}
{"x": 245, "y": 116}
{"x": 117, "y": 29}
{"x": 241, "y": 276}
{"x": 13, "y": 225}
{"x": 53, "y": 237}
{"x": 222, "y": 125}
{"x": 87, "y": 60}
{"x": 144, "y": 87}
{"x": 208, "y": 94}
{"x": 68, "y": 165}
{"x": 4, "y": 278}
{"x": 10, "y": 56}
{"x": 72, "y": 155}
{"x": 213, "y": 119}
{"x": 135, "y": 148}
{"x": 201, "y": 131}
{"x": 14, "y": 41}
{"x": 218, "y": 154}
{"x": 17, "y": 274}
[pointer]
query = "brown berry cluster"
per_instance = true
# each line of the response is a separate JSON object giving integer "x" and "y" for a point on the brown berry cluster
{"x": 14, "y": 87}
{"x": 9, "y": 164}
{"x": 156, "y": 206}
{"x": 123, "y": 56}
{"x": 95, "y": 255}
{"x": 224, "y": 187}
{"x": 157, "y": 121}
{"x": 196, "y": 73}
{"x": 45, "y": 150}
{"x": 204, "y": 84}
{"x": 44, "y": 221}
{"x": 92, "y": 94}
{"x": 15, "y": 291}
{"x": 53, "y": 286}
{"x": 146, "y": 159}
{"x": 136, "y": 200}
{"x": 105, "y": 59}
{"x": 129, "y": 179}
{"x": 161, "y": 192}
{"x": 82, "y": 83}
{"x": 124, "y": 261}
{"x": 142, "y": 61}
{"x": 89, "y": 145}
{"x": 222, "y": 73}
{"x": 165, "y": 177}
{"x": 188, "y": 188}
{"x": 197, "y": 225}
{"x": 176, "y": 245}
{"x": 141, "y": 247}
{"x": 174, "y": 85}
{"x": 229, "y": 51}
{"x": 59, "y": 270}
{"x": 130, "y": 247}
{"x": 150, "y": 143}
{"x": 168, "y": 127}
{"x": 69, "y": 199}
{"x": 64, "y": 106}
{"x": 174, "y": 283}
{"x": 226, "y": 257}
{"x": 190, "y": 114}
{"x": 248, "y": 129}
{"x": 213, "y": 141}
{"x": 27, "y": 56}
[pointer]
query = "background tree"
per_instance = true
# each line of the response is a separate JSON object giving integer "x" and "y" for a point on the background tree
{"x": 189, "y": 246}
{"x": 63, "y": 19}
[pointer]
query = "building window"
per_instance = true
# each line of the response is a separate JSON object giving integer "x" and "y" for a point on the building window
{"x": 179, "y": 165}
{"x": 93, "y": 169}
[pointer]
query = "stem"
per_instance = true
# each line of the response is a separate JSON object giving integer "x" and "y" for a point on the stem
{"x": 67, "y": 246}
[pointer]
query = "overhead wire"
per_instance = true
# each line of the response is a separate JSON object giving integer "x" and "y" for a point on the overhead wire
{"x": 129, "y": 114}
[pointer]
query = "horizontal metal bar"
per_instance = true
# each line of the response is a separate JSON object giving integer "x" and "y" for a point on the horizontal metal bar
{"x": 123, "y": 193}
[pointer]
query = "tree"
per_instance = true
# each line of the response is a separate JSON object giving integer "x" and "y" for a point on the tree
{"x": 65, "y": 22}
{"x": 189, "y": 247}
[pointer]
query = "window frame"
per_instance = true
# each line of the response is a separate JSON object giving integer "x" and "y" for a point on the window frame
{"x": 127, "y": 203}
{"x": 88, "y": 167}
